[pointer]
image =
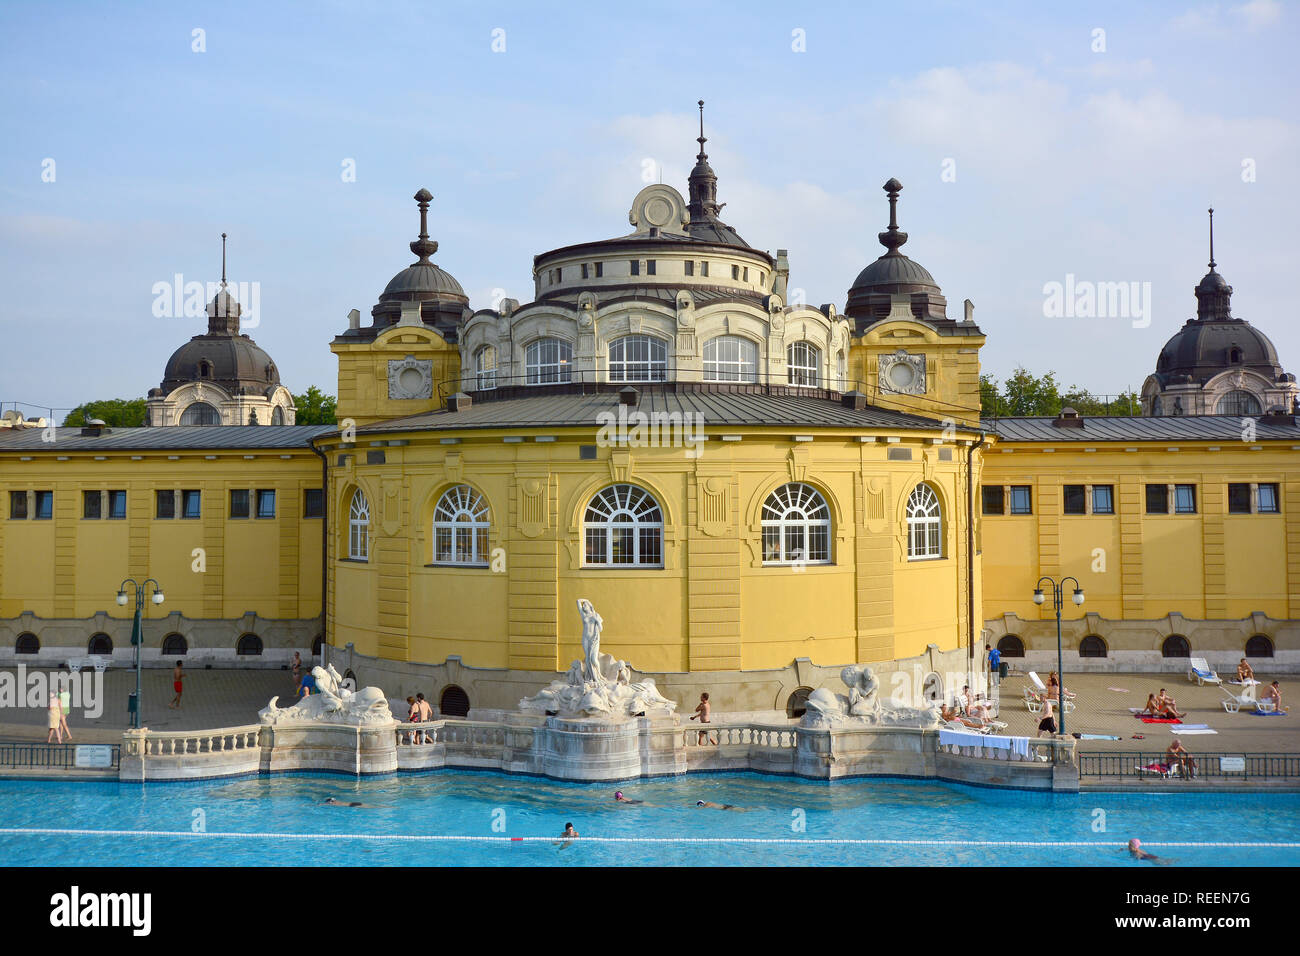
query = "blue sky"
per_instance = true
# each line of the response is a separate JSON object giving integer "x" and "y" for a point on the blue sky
{"x": 1067, "y": 161}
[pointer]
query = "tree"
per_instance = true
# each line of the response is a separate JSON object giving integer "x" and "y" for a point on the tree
{"x": 1025, "y": 394}
{"x": 315, "y": 408}
{"x": 114, "y": 412}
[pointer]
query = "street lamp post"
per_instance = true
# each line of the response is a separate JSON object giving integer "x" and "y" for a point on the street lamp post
{"x": 137, "y": 633}
{"x": 1058, "y": 599}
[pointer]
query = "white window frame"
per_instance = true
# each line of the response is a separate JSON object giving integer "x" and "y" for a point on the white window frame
{"x": 793, "y": 516}
{"x": 742, "y": 366}
{"x": 359, "y": 527}
{"x": 649, "y": 362}
{"x": 461, "y": 519}
{"x": 611, "y": 514}
{"x": 803, "y": 363}
{"x": 548, "y": 361}
{"x": 924, "y": 524}
{"x": 485, "y": 376}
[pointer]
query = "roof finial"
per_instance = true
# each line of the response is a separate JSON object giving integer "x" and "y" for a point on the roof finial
{"x": 424, "y": 247}
{"x": 1211, "y": 237}
{"x": 223, "y": 260}
{"x": 701, "y": 140}
{"x": 892, "y": 238}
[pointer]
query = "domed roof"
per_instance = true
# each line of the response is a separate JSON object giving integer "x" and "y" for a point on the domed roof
{"x": 1213, "y": 282}
{"x": 894, "y": 272}
{"x": 422, "y": 279}
{"x": 234, "y": 362}
{"x": 1200, "y": 350}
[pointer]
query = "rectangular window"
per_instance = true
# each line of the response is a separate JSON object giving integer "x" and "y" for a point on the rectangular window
{"x": 1239, "y": 499}
{"x": 899, "y": 454}
{"x": 265, "y": 503}
{"x": 1268, "y": 499}
{"x": 1022, "y": 500}
{"x": 745, "y": 273}
{"x": 117, "y": 505}
{"x": 238, "y": 503}
{"x": 1103, "y": 499}
{"x": 704, "y": 268}
{"x": 190, "y": 504}
{"x": 559, "y": 275}
{"x": 1185, "y": 499}
{"x": 44, "y": 505}
{"x": 635, "y": 266}
{"x": 735, "y": 272}
{"x": 994, "y": 500}
{"x": 313, "y": 503}
{"x": 92, "y": 503}
{"x": 17, "y": 505}
{"x": 1157, "y": 499}
{"x": 1076, "y": 499}
{"x": 690, "y": 267}
{"x": 584, "y": 270}
{"x": 600, "y": 270}
{"x": 650, "y": 267}
{"x": 165, "y": 504}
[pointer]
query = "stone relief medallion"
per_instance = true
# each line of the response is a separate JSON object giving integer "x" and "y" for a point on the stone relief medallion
{"x": 410, "y": 378}
{"x": 658, "y": 207}
{"x": 902, "y": 373}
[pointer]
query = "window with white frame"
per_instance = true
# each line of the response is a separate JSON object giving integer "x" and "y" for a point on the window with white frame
{"x": 796, "y": 526}
{"x": 730, "y": 358}
{"x": 638, "y": 358}
{"x": 804, "y": 360}
{"x": 548, "y": 361}
{"x": 359, "y": 527}
{"x": 623, "y": 527}
{"x": 924, "y": 524}
{"x": 460, "y": 528}
{"x": 485, "y": 368}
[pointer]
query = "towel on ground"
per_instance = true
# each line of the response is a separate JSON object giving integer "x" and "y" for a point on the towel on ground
{"x": 1118, "y": 690}
{"x": 1159, "y": 720}
{"x": 1098, "y": 737}
{"x": 1269, "y": 713}
{"x": 1191, "y": 730}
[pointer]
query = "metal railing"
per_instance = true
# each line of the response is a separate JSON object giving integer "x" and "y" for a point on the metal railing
{"x": 32, "y": 755}
{"x": 1239, "y": 766}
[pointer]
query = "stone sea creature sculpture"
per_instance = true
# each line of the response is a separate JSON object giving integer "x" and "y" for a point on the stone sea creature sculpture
{"x": 332, "y": 703}
{"x": 825, "y": 708}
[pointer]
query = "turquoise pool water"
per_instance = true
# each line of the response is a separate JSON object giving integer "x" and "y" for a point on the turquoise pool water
{"x": 282, "y": 821}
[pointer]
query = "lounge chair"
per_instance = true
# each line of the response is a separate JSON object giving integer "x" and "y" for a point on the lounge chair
{"x": 1033, "y": 701}
{"x": 1201, "y": 672}
{"x": 1247, "y": 698}
{"x": 1162, "y": 770}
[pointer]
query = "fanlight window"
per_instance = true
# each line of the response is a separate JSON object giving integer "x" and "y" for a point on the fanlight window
{"x": 804, "y": 360}
{"x": 485, "y": 368}
{"x": 359, "y": 528}
{"x": 638, "y": 358}
{"x": 796, "y": 526}
{"x": 460, "y": 528}
{"x": 200, "y": 413}
{"x": 730, "y": 358}
{"x": 924, "y": 525}
{"x": 1238, "y": 402}
{"x": 277, "y": 416}
{"x": 548, "y": 361}
{"x": 623, "y": 527}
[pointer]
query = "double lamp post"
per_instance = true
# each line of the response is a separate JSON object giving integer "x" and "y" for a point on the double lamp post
{"x": 1058, "y": 599}
{"x": 137, "y": 635}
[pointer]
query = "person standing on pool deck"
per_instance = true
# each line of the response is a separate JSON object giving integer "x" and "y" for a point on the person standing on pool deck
{"x": 65, "y": 708}
{"x": 177, "y": 677}
{"x": 702, "y": 712}
{"x": 1048, "y": 723}
{"x": 995, "y": 665}
{"x": 55, "y": 712}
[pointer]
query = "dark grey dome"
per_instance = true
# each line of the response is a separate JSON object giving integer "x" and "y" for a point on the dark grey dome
{"x": 422, "y": 280}
{"x": 233, "y": 362}
{"x": 1200, "y": 350}
{"x": 893, "y": 273}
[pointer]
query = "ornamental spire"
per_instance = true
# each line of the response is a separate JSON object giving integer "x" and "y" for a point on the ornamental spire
{"x": 892, "y": 237}
{"x": 1211, "y": 237}
{"x": 424, "y": 246}
{"x": 223, "y": 260}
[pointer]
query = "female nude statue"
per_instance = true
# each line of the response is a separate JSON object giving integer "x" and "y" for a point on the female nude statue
{"x": 591, "y": 625}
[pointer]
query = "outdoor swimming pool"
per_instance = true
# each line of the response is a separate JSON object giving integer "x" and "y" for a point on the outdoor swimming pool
{"x": 260, "y": 821}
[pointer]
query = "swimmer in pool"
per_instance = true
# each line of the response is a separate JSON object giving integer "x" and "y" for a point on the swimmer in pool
{"x": 339, "y": 803}
{"x": 1135, "y": 848}
{"x": 568, "y": 836}
{"x": 716, "y": 806}
{"x": 619, "y": 798}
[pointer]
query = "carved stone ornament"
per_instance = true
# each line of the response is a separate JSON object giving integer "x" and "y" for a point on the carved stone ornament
{"x": 902, "y": 373}
{"x": 332, "y": 703}
{"x": 410, "y": 378}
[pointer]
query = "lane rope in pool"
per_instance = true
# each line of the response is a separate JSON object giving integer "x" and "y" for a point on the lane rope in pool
{"x": 456, "y": 838}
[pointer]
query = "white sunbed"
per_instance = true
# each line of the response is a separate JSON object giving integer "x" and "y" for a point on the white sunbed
{"x": 1201, "y": 672}
{"x": 1034, "y": 704}
{"x": 100, "y": 662}
{"x": 1166, "y": 774}
{"x": 1247, "y": 698}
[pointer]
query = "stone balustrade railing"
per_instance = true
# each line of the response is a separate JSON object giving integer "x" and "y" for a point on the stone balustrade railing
{"x": 152, "y": 743}
{"x": 1046, "y": 751}
{"x": 746, "y": 735}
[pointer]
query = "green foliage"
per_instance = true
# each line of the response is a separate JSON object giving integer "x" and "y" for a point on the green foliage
{"x": 315, "y": 408}
{"x": 114, "y": 412}
{"x": 1024, "y": 394}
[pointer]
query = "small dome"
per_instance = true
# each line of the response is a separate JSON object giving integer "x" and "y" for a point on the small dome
{"x": 422, "y": 279}
{"x": 1213, "y": 282}
{"x": 894, "y": 272}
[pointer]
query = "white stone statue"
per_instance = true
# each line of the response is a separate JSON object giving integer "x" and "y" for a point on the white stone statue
{"x": 598, "y": 685}
{"x": 862, "y": 705}
{"x": 332, "y": 703}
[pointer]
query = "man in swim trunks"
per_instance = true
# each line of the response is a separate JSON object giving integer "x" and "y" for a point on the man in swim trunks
{"x": 1274, "y": 693}
{"x": 1048, "y": 723}
{"x": 1244, "y": 671}
{"x": 1178, "y": 756}
{"x": 716, "y": 806}
{"x": 702, "y": 711}
{"x": 177, "y": 677}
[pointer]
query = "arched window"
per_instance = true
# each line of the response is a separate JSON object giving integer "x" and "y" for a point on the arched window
{"x": 623, "y": 527}
{"x": 454, "y": 702}
{"x": 200, "y": 413}
{"x": 932, "y": 687}
{"x": 1175, "y": 645}
{"x": 460, "y": 528}
{"x": 485, "y": 368}
{"x": 1238, "y": 402}
{"x": 796, "y": 526}
{"x": 1259, "y": 646}
{"x": 804, "y": 360}
{"x": 175, "y": 645}
{"x": 730, "y": 358}
{"x": 547, "y": 361}
{"x": 797, "y": 704}
{"x": 100, "y": 644}
{"x": 249, "y": 645}
{"x": 31, "y": 644}
{"x": 924, "y": 525}
{"x": 205, "y": 369}
{"x": 1092, "y": 646}
{"x": 638, "y": 358}
{"x": 1011, "y": 646}
{"x": 359, "y": 527}
{"x": 277, "y": 415}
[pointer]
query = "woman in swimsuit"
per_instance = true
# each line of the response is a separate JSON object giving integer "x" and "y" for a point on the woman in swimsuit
{"x": 1152, "y": 708}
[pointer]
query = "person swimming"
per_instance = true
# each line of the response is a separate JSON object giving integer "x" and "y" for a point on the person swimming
{"x": 339, "y": 803}
{"x": 716, "y": 806}
{"x": 1135, "y": 848}
{"x": 619, "y": 798}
